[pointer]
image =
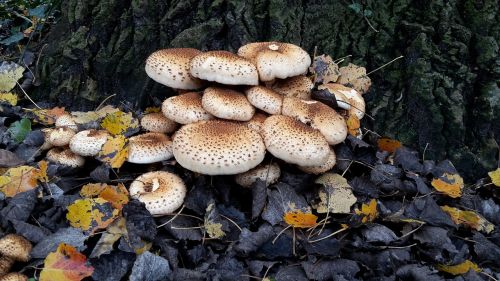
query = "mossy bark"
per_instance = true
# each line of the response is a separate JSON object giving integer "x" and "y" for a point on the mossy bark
{"x": 444, "y": 94}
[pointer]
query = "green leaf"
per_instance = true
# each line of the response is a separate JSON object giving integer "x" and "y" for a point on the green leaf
{"x": 356, "y": 7}
{"x": 20, "y": 129}
{"x": 14, "y": 38}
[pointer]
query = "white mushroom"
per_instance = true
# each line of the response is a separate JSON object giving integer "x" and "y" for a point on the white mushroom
{"x": 149, "y": 148}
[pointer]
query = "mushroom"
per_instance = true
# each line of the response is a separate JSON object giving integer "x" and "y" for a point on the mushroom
{"x": 157, "y": 123}
{"x": 337, "y": 91}
{"x": 14, "y": 276}
{"x": 15, "y": 247}
{"x": 161, "y": 191}
{"x": 88, "y": 142}
{"x": 66, "y": 120}
{"x": 328, "y": 165}
{"x": 227, "y": 104}
{"x": 5, "y": 264}
{"x": 60, "y": 136}
{"x": 256, "y": 122}
{"x": 218, "y": 147}
{"x": 298, "y": 87}
{"x": 170, "y": 67}
{"x": 353, "y": 98}
{"x": 319, "y": 116}
{"x": 265, "y": 99}
{"x": 268, "y": 173}
{"x": 185, "y": 108}
{"x": 276, "y": 59}
{"x": 46, "y": 141}
{"x": 149, "y": 148}
{"x": 225, "y": 68}
{"x": 294, "y": 142}
{"x": 64, "y": 156}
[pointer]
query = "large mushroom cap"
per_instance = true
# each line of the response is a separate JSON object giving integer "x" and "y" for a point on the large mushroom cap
{"x": 227, "y": 104}
{"x": 276, "y": 60}
{"x": 14, "y": 276}
{"x": 170, "y": 67}
{"x": 328, "y": 165}
{"x": 268, "y": 173}
{"x": 16, "y": 247}
{"x": 162, "y": 192}
{"x": 66, "y": 120}
{"x": 185, "y": 108}
{"x": 64, "y": 156}
{"x": 60, "y": 136}
{"x": 149, "y": 148}
{"x": 88, "y": 142}
{"x": 294, "y": 142}
{"x": 319, "y": 116}
{"x": 218, "y": 147}
{"x": 157, "y": 123}
{"x": 225, "y": 68}
{"x": 298, "y": 87}
{"x": 5, "y": 264}
{"x": 265, "y": 99}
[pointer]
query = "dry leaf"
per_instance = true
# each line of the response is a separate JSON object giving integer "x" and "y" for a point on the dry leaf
{"x": 114, "y": 151}
{"x": 336, "y": 194}
{"x": 66, "y": 264}
{"x": 324, "y": 70}
{"x": 353, "y": 125}
{"x": 495, "y": 176}
{"x": 48, "y": 116}
{"x": 10, "y": 73}
{"x": 91, "y": 214}
{"x": 458, "y": 269}
{"x": 9, "y": 159}
{"x": 9, "y": 98}
{"x": 368, "y": 211}
{"x": 387, "y": 144}
{"x": 19, "y": 179}
{"x": 119, "y": 122}
{"x": 469, "y": 218}
{"x": 42, "y": 172}
{"x": 90, "y": 116}
{"x": 355, "y": 77}
{"x": 117, "y": 195}
{"x": 300, "y": 219}
{"x": 449, "y": 184}
{"x": 114, "y": 232}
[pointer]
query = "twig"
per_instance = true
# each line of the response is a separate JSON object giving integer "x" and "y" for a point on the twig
{"x": 229, "y": 219}
{"x": 339, "y": 60}
{"x": 102, "y": 103}
{"x": 347, "y": 169}
{"x": 413, "y": 231}
{"x": 423, "y": 153}
{"x": 380, "y": 67}
{"x": 398, "y": 247}
{"x": 329, "y": 235}
{"x": 172, "y": 219}
{"x": 488, "y": 275}
{"x": 27, "y": 95}
{"x": 370, "y": 23}
{"x": 281, "y": 232}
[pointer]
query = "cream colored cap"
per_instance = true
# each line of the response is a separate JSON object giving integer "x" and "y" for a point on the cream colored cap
{"x": 227, "y": 104}
{"x": 298, "y": 87}
{"x": 157, "y": 123}
{"x": 149, "y": 148}
{"x": 265, "y": 99}
{"x": 60, "y": 136}
{"x": 88, "y": 142}
{"x": 185, "y": 109}
{"x": 268, "y": 173}
{"x": 64, "y": 156}
{"x": 328, "y": 165}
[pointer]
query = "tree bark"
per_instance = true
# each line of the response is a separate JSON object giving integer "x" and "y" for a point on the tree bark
{"x": 442, "y": 97}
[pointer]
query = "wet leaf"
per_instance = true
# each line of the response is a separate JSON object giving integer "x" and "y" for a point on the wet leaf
{"x": 149, "y": 267}
{"x": 495, "y": 177}
{"x": 114, "y": 151}
{"x": 449, "y": 184}
{"x": 48, "y": 116}
{"x": 69, "y": 235}
{"x": 90, "y": 214}
{"x": 66, "y": 264}
{"x": 20, "y": 129}
{"x": 353, "y": 125}
{"x": 469, "y": 218}
{"x": 300, "y": 219}
{"x": 459, "y": 268}
{"x": 119, "y": 122}
{"x": 9, "y": 98}
{"x": 18, "y": 179}
{"x": 10, "y": 73}
{"x": 336, "y": 194}
{"x": 368, "y": 211}
{"x": 42, "y": 171}
{"x": 387, "y": 144}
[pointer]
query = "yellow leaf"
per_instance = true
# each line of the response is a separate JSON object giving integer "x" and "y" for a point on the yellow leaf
{"x": 300, "y": 219}
{"x": 18, "y": 179}
{"x": 85, "y": 117}
{"x": 117, "y": 195}
{"x": 9, "y": 98}
{"x": 152, "y": 110}
{"x": 119, "y": 122}
{"x": 458, "y": 269}
{"x": 114, "y": 151}
{"x": 48, "y": 116}
{"x": 368, "y": 211}
{"x": 66, "y": 264}
{"x": 469, "y": 218}
{"x": 10, "y": 73}
{"x": 495, "y": 176}
{"x": 42, "y": 173}
{"x": 449, "y": 184}
{"x": 353, "y": 125}
{"x": 90, "y": 214}
{"x": 387, "y": 144}
{"x": 335, "y": 196}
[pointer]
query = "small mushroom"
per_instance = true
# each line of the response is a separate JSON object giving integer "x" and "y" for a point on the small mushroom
{"x": 88, "y": 142}
{"x": 64, "y": 156}
{"x": 60, "y": 136}
{"x": 46, "y": 141}
{"x": 157, "y": 123}
{"x": 298, "y": 87}
{"x": 14, "y": 276}
{"x": 5, "y": 264}
{"x": 265, "y": 99}
{"x": 149, "y": 148}
{"x": 161, "y": 191}
{"x": 268, "y": 173}
{"x": 66, "y": 120}
{"x": 328, "y": 165}
{"x": 15, "y": 247}
{"x": 227, "y": 104}
{"x": 185, "y": 108}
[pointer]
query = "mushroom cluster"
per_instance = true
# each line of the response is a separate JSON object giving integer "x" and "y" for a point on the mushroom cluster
{"x": 13, "y": 248}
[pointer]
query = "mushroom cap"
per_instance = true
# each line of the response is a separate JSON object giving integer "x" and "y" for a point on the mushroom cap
{"x": 46, "y": 141}
{"x": 170, "y": 67}
{"x": 149, "y": 148}
{"x": 338, "y": 90}
{"x": 328, "y": 165}
{"x": 298, "y": 87}
{"x": 16, "y": 247}
{"x": 60, "y": 136}
{"x": 161, "y": 191}
{"x": 5, "y": 264}
{"x": 225, "y": 68}
{"x": 265, "y": 99}
{"x": 268, "y": 173}
{"x": 88, "y": 142}
{"x": 256, "y": 122}
{"x": 319, "y": 116}
{"x": 276, "y": 59}
{"x": 66, "y": 120}
{"x": 294, "y": 142}
{"x": 185, "y": 108}
{"x": 227, "y": 104}
{"x": 356, "y": 101}
{"x": 218, "y": 147}
{"x": 64, "y": 156}
{"x": 14, "y": 276}
{"x": 156, "y": 122}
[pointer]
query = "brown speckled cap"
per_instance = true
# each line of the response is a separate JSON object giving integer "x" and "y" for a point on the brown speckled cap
{"x": 66, "y": 120}
{"x": 157, "y": 123}
{"x": 16, "y": 247}
{"x": 218, "y": 147}
{"x": 64, "y": 156}
{"x": 170, "y": 67}
{"x": 256, "y": 122}
{"x": 225, "y": 68}
{"x": 268, "y": 173}
{"x": 149, "y": 148}
{"x": 227, "y": 104}
{"x": 294, "y": 142}
{"x": 60, "y": 136}
{"x": 185, "y": 108}
{"x": 298, "y": 87}
{"x": 328, "y": 165}
{"x": 88, "y": 142}
{"x": 162, "y": 192}
{"x": 14, "y": 276}
{"x": 276, "y": 59}
{"x": 265, "y": 99}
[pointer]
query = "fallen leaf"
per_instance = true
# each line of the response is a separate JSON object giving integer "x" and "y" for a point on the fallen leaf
{"x": 387, "y": 144}
{"x": 114, "y": 151}
{"x": 300, "y": 219}
{"x": 353, "y": 125}
{"x": 81, "y": 117}
{"x": 355, "y": 77}
{"x": 119, "y": 122}
{"x": 90, "y": 214}
{"x": 48, "y": 116}
{"x": 18, "y": 179}
{"x": 449, "y": 184}
{"x": 10, "y": 73}
{"x": 458, "y": 269}
{"x": 9, "y": 98}
{"x": 66, "y": 264}
{"x": 368, "y": 211}
{"x": 20, "y": 129}
{"x": 9, "y": 159}
{"x": 336, "y": 194}
{"x": 324, "y": 70}
{"x": 153, "y": 109}
{"x": 495, "y": 177}
{"x": 113, "y": 232}
{"x": 469, "y": 218}
{"x": 42, "y": 172}
{"x": 117, "y": 195}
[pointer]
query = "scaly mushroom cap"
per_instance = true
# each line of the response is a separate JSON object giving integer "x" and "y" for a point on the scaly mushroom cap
{"x": 354, "y": 98}
{"x": 338, "y": 91}
{"x": 276, "y": 59}
{"x": 227, "y": 104}
{"x": 46, "y": 140}
{"x": 64, "y": 156}
{"x": 265, "y": 99}
{"x": 170, "y": 67}
{"x": 16, "y": 247}
{"x": 149, "y": 148}
{"x": 5, "y": 264}
{"x": 329, "y": 164}
{"x": 88, "y": 142}
{"x": 60, "y": 136}
{"x": 294, "y": 142}
{"x": 14, "y": 276}
{"x": 298, "y": 87}
{"x": 66, "y": 120}
{"x": 162, "y": 192}
{"x": 185, "y": 109}
{"x": 225, "y": 68}
{"x": 319, "y": 116}
{"x": 218, "y": 147}
{"x": 256, "y": 122}
{"x": 268, "y": 173}
{"x": 157, "y": 123}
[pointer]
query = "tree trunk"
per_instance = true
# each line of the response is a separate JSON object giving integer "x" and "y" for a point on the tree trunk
{"x": 443, "y": 95}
